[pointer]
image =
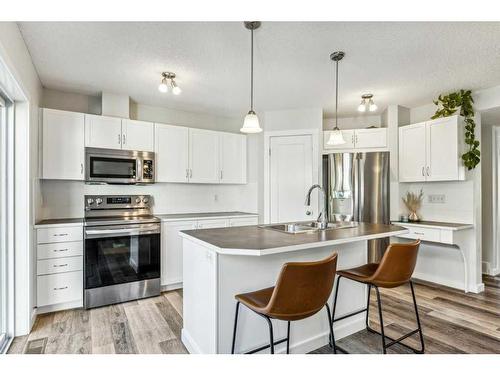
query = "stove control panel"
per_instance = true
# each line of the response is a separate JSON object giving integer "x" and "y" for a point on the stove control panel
{"x": 109, "y": 202}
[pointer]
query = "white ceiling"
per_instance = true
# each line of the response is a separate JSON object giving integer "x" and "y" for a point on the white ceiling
{"x": 400, "y": 63}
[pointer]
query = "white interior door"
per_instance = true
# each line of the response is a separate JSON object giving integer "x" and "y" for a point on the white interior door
{"x": 203, "y": 156}
{"x": 291, "y": 175}
{"x": 171, "y": 153}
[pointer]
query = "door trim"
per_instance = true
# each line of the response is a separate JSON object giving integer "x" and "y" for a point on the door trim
{"x": 494, "y": 268}
{"x": 316, "y": 154}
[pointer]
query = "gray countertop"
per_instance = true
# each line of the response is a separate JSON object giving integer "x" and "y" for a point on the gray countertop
{"x": 245, "y": 240}
{"x": 435, "y": 224}
{"x": 59, "y": 222}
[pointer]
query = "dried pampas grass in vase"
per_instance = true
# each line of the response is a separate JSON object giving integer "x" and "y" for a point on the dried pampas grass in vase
{"x": 413, "y": 202}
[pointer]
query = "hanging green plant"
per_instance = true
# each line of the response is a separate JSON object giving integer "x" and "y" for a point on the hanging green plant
{"x": 448, "y": 106}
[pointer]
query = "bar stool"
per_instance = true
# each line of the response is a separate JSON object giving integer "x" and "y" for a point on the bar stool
{"x": 395, "y": 269}
{"x": 301, "y": 291}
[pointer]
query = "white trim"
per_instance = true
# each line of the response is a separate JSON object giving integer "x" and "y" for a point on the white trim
{"x": 171, "y": 286}
{"x": 314, "y": 133}
{"x": 494, "y": 266}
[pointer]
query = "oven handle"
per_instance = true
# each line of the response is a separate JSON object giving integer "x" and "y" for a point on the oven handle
{"x": 119, "y": 232}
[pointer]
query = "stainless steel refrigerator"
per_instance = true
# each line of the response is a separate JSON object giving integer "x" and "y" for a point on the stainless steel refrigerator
{"x": 357, "y": 189}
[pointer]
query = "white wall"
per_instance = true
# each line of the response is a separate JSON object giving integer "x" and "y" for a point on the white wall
{"x": 15, "y": 56}
{"x": 358, "y": 122}
{"x": 64, "y": 199}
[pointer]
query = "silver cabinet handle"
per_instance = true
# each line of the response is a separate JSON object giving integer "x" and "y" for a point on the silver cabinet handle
{"x": 119, "y": 139}
{"x": 81, "y": 168}
{"x": 356, "y": 138}
{"x": 62, "y": 288}
{"x": 190, "y": 173}
{"x": 61, "y": 265}
{"x": 221, "y": 174}
{"x": 352, "y": 139}
{"x": 60, "y": 234}
{"x": 60, "y": 250}
{"x": 427, "y": 171}
{"x": 187, "y": 173}
{"x": 124, "y": 139}
{"x": 423, "y": 171}
{"x": 420, "y": 233}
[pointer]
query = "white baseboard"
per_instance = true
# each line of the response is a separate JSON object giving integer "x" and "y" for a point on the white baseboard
{"x": 173, "y": 286}
{"x": 488, "y": 269}
{"x": 457, "y": 284}
{"x": 341, "y": 330}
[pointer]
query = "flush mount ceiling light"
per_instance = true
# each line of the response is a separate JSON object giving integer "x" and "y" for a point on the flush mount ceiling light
{"x": 163, "y": 86}
{"x": 336, "y": 137}
{"x": 367, "y": 103}
{"x": 251, "y": 122}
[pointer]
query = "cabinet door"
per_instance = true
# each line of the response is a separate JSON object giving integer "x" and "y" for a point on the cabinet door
{"x": 412, "y": 152}
{"x": 171, "y": 153}
{"x": 348, "y": 137}
{"x": 371, "y": 138}
{"x": 203, "y": 156}
{"x": 171, "y": 251}
{"x": 103, "y": 132}
{"x": 212, "y": 223}
{"x": 243, "y": 221}
{"x": 137, "y": 135}
{"x": 63, "y": 145}
{"x": 233, "y": 158}
{"x": 442, "y": 150}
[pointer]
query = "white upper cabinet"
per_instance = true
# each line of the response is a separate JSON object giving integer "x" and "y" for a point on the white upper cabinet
{"x": 370, "y": 138}
{"x": 171, "y": 153}
{"x": 233, "y": 160}
{"x": 103, "y": 132}
{"x": 203, "y": 156}
{"x": 137, "y": 135}
{"x": 444, "y": 149}
{"x": 63, "y": 138}
{"x": 348, "y": 137}
{"x": 359, "y": 139}
{"x": 412, "y": 152}
{"x": 431, "y": 151}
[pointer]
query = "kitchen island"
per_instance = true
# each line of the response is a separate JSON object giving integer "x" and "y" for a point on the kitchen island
{"x": 220, "y": 263}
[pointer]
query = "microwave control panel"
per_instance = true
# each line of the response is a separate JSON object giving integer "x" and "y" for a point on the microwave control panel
{"x": 147, "y": 172}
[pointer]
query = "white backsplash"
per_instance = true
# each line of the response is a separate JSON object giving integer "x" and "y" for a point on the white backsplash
{"x": 65, "y": 199}
{"x": 458, "y": 206}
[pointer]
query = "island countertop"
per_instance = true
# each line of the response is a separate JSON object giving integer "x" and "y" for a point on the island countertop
{"x": 256, "y": 240}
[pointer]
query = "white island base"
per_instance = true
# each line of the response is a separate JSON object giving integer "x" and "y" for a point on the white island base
{"x": 212, "y": 279}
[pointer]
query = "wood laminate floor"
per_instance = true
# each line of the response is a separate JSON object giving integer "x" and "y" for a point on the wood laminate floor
{"x": 453, "y": 322}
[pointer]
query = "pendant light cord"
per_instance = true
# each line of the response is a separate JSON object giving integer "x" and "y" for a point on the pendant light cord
{"x": 251, "y": 74}
{"x": 336, "y": 93}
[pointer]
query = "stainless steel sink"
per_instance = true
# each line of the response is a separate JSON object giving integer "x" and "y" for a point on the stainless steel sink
{"x": 305, "y": 227}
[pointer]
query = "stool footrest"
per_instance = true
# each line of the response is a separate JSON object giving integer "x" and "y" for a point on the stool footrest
{"x": 266, "y": 346}
{"x": 398, "y": 340}
{"x": 349, "y": 315}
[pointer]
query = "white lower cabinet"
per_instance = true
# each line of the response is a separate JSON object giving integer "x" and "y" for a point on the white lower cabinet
{"x": 171, "y": 244}
{"x": 59, "y": 268}
{"x": 171, "y": 251}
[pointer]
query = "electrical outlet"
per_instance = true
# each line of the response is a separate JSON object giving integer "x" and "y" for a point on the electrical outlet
{"x": 216, "y": 198}
{"x": 437, "y": 198}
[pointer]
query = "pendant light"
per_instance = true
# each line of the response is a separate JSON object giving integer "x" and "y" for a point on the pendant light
{"x": 336, "y": 137}
{"x": 251, "y": 122}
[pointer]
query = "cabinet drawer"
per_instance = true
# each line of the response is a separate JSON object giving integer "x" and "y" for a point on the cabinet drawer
{"x": 59, "y": 249}
{"x": 58, "y": 265}
{"x": 213, "y": 223}
{"x": 424, "y": 234}
{"x": 59, "y": 288}
{"x": 61, "y": 234}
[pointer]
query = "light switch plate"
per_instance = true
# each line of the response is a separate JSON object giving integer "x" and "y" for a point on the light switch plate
{"x": 437, "y": 198}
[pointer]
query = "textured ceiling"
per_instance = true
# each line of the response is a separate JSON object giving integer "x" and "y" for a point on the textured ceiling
{"x": 400, "y": 63}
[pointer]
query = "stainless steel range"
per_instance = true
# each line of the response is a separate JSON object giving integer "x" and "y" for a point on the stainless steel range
{"x": 122, "y": 249}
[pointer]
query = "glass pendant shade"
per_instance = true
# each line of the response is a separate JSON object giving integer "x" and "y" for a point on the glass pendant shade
{"x": 163, "y": 87}
{"x": 372, "y": 107}
{"x": 336, "y": 138}
{"x": 362, "y": 107}
{"x": 251, "y": 124}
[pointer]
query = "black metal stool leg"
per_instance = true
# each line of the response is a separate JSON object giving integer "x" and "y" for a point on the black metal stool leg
{"x": 271, "y": 337}
{"x": 422, "y": 350}
{"x": 332, "y": 336}
{"x": 368, "y": 307}
{"x": 334, "y": 307}
{"x": 381, "y": 320}
{"x": 288, "y": 338}
{"x": 235, "y": 325}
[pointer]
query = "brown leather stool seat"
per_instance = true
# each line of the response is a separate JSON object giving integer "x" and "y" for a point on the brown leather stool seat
{"x": 395, "y": 269}
{"x": 302, "y": 290}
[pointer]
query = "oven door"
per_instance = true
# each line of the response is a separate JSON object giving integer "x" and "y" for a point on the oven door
{"x": 112, "y": 166}
{"x": 119, "y": 254}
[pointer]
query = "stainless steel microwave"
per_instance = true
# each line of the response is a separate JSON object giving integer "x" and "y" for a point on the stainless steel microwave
{"x": 119, "y": 166}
